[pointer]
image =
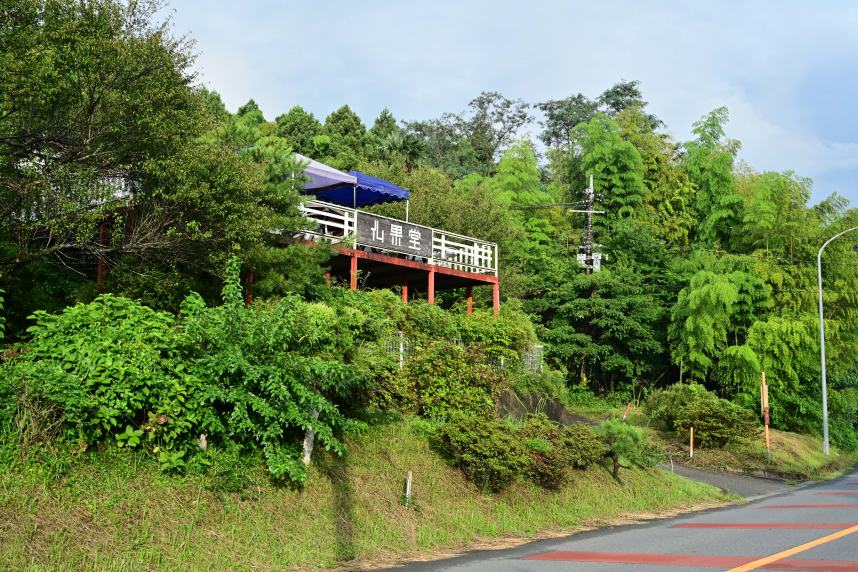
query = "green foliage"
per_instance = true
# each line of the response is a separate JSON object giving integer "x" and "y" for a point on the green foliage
{"x": 584, "y": 445}
{"x": 272, "y": 371}
{"x": 347, "y": 139}
{"x": 709, "y": 162}
{"x": 488, "y": 450}
{"x": 625, "y": 442}
{"x": 102, "y": 366}
{"x": 443, "y": 378}
{"x": 493, "y": 454}
{"x": 616, "y": 166}
{"x": 87, "y": 91}
{"x": 716, "y": 421}
{"x": 299, "y": 129}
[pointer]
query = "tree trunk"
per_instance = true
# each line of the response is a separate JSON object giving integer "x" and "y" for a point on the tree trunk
{"x": 616, "y": 467}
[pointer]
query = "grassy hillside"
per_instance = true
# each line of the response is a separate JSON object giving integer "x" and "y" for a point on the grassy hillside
{"x": 791, "y": 452}
{"x": 112, "y": 511}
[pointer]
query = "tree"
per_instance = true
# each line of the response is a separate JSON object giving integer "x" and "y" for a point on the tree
{"x": 249, "y": 107}
{"x": 396, "y": 144}
{"x": 671, "y": 194}
{"x": 214, "y": 105}
{"x": 709, "y": 161}
{"x": 384, "y": 125}
{"x": 564, "y": 115}
{"x": 348, "y": 138}
{"x": 616, "y": 166}
{"x": 475, "y": 142}
{"x": 299, "y": 128}
{"x": 89, "y": 92}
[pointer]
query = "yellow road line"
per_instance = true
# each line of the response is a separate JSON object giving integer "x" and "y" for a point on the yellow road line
{"x": 787, "y": 553}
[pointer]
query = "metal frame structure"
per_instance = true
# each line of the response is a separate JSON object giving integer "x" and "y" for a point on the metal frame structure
{"x": 452, "y": 261}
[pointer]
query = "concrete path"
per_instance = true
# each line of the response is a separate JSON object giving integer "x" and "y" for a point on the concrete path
{"x": 742, "y": 485}
{"x": 814, "y": 528}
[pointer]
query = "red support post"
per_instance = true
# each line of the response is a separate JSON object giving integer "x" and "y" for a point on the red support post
{"x": 354, "y": 273}
{"x": 405, "y": 288}
{"x": 102, "y": 263}
{"x": 249, "y": 300}
{"x": 470, "y": 299}
{"x": 328, "y": 278}
{"x": 496, "y": 296}
{"x": 431, "y": 286}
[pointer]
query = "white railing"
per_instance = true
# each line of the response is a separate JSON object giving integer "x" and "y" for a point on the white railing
{"x": 448, "y": 249}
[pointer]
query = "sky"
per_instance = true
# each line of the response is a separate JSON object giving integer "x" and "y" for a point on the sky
{"x": 787, "y": 71}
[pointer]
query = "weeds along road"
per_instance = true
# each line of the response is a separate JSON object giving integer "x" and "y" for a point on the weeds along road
{"x": 813, "y": 529}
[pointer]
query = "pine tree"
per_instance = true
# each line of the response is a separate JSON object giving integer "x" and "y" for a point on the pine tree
{"x": 299, "y": 127}
{"x": 348, "y": 138}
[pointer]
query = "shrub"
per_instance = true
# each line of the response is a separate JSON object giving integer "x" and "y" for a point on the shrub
{"x": 116, "y": 371}
{"x": 443, "y": 378}
{"x": 716, "y": 422}
{"x": 490, "y": 453}
{"x": 584, "y": 446}
{"x": 549, "y": 459}
{"x": 667, "y": 405}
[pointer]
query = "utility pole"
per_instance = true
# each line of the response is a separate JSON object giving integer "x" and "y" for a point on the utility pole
{"x": 587, "y": 259}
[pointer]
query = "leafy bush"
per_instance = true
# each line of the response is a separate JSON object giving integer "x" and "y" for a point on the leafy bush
{"x": 116, "y": 371}
{"x": 716, "y": 423}
{"x": 667, "y": 405}
{"x": 549, "y": 459}
{"x": 97, "y": 368}
{"x": 584, "y": 445}
{"x": 273, "y": 371}
{"x": 491, "y": 454}
{"x": 443, "y": 378}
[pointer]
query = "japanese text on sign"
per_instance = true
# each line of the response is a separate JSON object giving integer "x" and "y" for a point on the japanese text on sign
{"x": 394, "y": 235}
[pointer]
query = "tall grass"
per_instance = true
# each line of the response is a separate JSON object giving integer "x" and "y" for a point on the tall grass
{"x": 111, "y": 511}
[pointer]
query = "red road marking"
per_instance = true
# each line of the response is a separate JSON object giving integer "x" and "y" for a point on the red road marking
{"x": 785, "y": 525}
{"x": 812, "y": 506}
{"x": 696, "y": 560}
{"x": 848, "y": 493}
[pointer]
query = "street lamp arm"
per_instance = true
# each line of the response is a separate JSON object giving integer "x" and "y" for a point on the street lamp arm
{"x": 825, "y": 447}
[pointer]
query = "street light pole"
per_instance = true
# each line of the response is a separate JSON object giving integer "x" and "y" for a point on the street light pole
{"x": 825, "y": 447}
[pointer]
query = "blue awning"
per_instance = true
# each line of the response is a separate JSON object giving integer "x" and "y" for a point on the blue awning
{"x": 367, "y": 192}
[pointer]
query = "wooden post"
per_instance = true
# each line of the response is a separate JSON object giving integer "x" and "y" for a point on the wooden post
{"x": 626, "y": 414}
{"x": 496, "y": 296}
{"x": 470, "y": 299}
{"x": 431, "y": 286}
{"x": 354, "y": 273}
{"x": 247, "y": 291}
{"x": 405, "y": 288}
{"x": 102, "y": 263}
{"x": 328, "y": 278}
{"x": 766, "y": 414}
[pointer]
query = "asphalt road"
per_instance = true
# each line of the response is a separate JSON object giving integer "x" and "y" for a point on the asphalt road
{"x": 742, "y": 485}
{"x": 813, "y": 528}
